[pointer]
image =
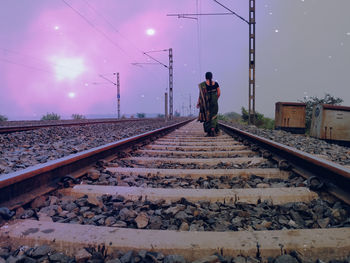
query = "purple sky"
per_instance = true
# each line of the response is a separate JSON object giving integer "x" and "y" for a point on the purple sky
{"x": 51, "y": 57}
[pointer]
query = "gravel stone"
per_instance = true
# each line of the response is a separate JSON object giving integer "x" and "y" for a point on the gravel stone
{"x": 286, "y": 259}
{"x": 82, "y": 256}
{"x": 142, "y": 220}
{"x": 126, "y": 258}
{"x": 208, "y": 259}
{"x": 333, "y": 152}
{"x": 174, "y": 259}
{"x": 20, "y": 150}
{"x": 59, "y": 257}
{"x": 41, "y": 251}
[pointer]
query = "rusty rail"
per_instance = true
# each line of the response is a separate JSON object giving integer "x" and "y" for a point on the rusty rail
{"x": 334, "y": 176}
{"x": 21, "y": 187}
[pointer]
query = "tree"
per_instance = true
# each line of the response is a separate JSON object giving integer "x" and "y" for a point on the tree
{"x": 313, "y": 100}
{"x": 260, "y": 120}
{"x": 78, "y": 117}
{"x": 3, "y": 118}
{"x": 141, "y": 115}
{"x": 50, "y": 117}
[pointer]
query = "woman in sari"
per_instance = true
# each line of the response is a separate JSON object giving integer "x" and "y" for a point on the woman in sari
{"x": 209, "y": 93}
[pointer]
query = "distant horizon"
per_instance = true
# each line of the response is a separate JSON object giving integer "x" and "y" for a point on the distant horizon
{"x": 63, "y": 58}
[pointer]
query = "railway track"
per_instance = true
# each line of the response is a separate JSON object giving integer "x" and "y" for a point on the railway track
{"x": 19, "y": 126}
{"x": 185, "y": 194}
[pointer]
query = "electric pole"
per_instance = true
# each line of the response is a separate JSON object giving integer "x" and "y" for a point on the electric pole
{"x": 171, "y": 82}
{"x": 118, "y": 94}
{"x": 251, "y": 23}
{"x": 166, "y": 105}
{"x": 251, "y": 62}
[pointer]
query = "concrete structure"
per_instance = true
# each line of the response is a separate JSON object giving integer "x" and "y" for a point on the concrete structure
{"x": 330, "y": 122}
{"x": 290, "y": 116}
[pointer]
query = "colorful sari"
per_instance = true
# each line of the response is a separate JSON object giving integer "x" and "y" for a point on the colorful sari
{"x": 208, "y": 108}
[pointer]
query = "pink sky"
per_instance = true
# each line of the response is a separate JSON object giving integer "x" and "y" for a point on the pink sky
{"x": 51, "y": 57}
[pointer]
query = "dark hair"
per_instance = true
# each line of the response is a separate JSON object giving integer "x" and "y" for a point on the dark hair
{"x": 209, "y": 77}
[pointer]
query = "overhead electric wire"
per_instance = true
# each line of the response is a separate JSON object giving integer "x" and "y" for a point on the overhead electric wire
{"x": 103, "y": 34}
{"x": 111, "y": 25}
{"x": 24, "y": 65}
{"x": 97, "y": 29}
{"x": 233, "y": 12}
{"x": 124, "y": 37}
{"x": 38, "y": 59}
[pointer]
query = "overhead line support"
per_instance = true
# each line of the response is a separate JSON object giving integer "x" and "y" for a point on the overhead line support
{"x": 251, "y": 23}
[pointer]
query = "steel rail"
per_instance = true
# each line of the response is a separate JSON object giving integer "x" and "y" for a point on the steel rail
{"x": 19, "y": 188}
{"x": 335, "y": 177}
{"x": 9, "y": 129}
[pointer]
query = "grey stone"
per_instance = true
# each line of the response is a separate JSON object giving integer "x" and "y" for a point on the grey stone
{"x": 38, "y": 202}
{"x": 184, "y": 227}
{"x": 27, "y": 214}
{"x": 49, "y": 210}
{"x": 12, "y": 259}
{"x": 286, "y": 259}
{"x": 110, "y": 221}
{"x": 126, "y": 258}
{"x": 323, "y": 223}
{"x": 116, "y": 260}
{"x": 155, "y": 222}
{"x": 207, "y": 259}
{"x": 142, "y": 253}
{"x": 239, "y": 259}
{"x": 70, "y": 207}
{"x": 120, "y": 223}
{"x": 41, "y": 251}
{"x": 174, "y": 259}
{"x": 59, "y": 257}
{"x": 181, "y": 215}
{"x": 214, "y": 207}
{"x": 4, "y": 252}
{"x": 82, "y": 256}
{"x": 297, "y": 218}
{"x": 174, "y": 209}
{"x": 125, "y": 214}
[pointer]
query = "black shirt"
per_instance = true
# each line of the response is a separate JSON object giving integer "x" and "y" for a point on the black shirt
{"x": 212, "y": 88}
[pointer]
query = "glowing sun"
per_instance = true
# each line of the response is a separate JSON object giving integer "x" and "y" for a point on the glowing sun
{"x": 150, "y": 32}
{"x": 68, "y": 67}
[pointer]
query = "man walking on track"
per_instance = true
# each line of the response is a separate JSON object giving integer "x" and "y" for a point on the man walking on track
{"x": 209, "y": 93}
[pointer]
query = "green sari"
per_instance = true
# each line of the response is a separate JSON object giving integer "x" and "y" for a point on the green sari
{"x": 208, "y": 108}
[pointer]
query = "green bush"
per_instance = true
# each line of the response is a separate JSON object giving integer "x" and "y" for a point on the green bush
{"x": 141, "y": 115}
{"x": 50, "y": 117}
{"x": 160, "y": 115}
{"x": 3, "y": 118}
{"x": 260, "y": 120}
{"x": 230, "y": 116}
{"x": 78, "y": 117}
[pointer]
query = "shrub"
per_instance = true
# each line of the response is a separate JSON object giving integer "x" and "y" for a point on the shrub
{"x": 3, "y": 118}
{"x": 50, "y": 117}
{"x": 78, "y": 117}
{"x": 260, "y": 120}
{"x": 160, "y": 115}
{"x": 230, "y": 116}
{"x": 141, "y": 115}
